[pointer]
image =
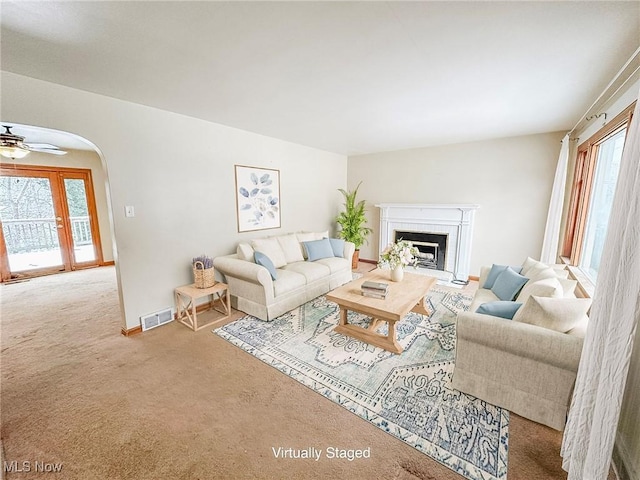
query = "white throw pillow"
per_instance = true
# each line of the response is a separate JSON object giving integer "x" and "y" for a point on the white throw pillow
{"x": 547, "y": 287}
{"x": 561, "y": 271}
{"x": 321, "y": 235}
{"x": 271, "y": 248}
{"x": 538, "y": 273}
{"x": 568, "y": 287}
{"x": 559, "y": 314}
{"x": 306, "y": 237}
{"x": 245, "y": 252}
{"x": 291, "y": 248}
{"x": 528, "y": 263}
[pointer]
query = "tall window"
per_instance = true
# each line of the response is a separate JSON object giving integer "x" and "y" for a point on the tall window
{"x": 595, "y": 179}
{"x": 604, "y": 186}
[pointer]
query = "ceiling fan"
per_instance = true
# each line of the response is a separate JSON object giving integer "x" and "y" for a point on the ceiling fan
{"x": 13, "y": 146}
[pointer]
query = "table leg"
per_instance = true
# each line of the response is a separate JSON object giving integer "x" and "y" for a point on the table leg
{"x": 194, "y": 315}
{"x": 223, "y": 299}
{"x": 178, "y": 306}
{"x": 387, "y": 342}
{"x": 422, "y": 307}
{"x": 391, "y": 336}
{"x": 343, "y": 316}
{"x": 183, "y": 314}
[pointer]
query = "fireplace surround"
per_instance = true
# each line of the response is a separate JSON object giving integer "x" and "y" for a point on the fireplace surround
{"x": 448, "y": 228}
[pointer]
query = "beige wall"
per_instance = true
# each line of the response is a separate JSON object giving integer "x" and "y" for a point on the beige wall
{"x": 88, "y": 160}
{"x": 510, "y": 178}
{"x": 178, "y": 173}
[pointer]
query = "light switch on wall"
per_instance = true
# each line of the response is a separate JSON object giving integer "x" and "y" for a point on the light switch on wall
{"x": 129, "y": 211}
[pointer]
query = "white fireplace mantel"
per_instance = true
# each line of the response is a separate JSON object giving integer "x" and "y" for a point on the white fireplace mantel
{"x": 453, "y": 220}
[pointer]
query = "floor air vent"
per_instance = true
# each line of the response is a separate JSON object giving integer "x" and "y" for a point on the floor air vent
{"x": 156, "y": 319}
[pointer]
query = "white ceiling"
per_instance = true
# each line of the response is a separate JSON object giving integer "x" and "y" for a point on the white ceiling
{"x": 347, "y": 77}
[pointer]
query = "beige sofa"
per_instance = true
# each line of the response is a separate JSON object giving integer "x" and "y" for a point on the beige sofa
{"x": 516, "y": 364}
{"x": 298, "y": 280}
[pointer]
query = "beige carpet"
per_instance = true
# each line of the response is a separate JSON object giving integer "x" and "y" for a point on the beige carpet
{"x": 173, "y": 404}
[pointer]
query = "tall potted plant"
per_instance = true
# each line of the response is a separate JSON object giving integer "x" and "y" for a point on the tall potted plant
{"x": 352, "y": 222}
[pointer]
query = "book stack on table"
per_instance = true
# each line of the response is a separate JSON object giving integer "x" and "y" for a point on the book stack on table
{"x": 375, "y": 289}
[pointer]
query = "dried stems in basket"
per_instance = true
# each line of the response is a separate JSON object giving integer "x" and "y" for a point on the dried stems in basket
{"x": 203, "y": 272}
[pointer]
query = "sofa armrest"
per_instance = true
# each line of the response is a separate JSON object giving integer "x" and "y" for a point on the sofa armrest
{"x": 529, "y": 341}
{"x": 349, "y": 250}
{"x": 232, "y": 266}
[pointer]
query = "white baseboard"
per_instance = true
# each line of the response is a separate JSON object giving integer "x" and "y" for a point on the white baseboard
{"x": 622, "y": 461}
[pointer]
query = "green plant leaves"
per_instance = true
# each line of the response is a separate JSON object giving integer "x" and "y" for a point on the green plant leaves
{"x": 353, "y": 219}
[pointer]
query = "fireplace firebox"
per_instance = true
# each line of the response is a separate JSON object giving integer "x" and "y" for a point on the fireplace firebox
{"x": 432, "y": 247}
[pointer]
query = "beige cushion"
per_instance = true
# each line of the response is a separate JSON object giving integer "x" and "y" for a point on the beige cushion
{"x": 526, "y": 266}
{"x": 287, "y": 281}
{"x": 321, "y": 235}
{"x": 568, "y": 287}
{"x": 306, "y": 237}
{"x": 561, "y": 271}
{"x": 291, "y": 248}
{"x": 484, "y": 274}
{"x": 271, "y": 248}
{"x": 547, "y": 287}
{"x": 559, "y": 314}
{"x": 483, "y": 295}
{"x": 580, "y": 330}
{"x": 335, "y": 264}
{"x": 539, "y": 271}
{"x": 245, "y": 252}
{"x": 312, "y": 271}
{"x": 536, "y": 273}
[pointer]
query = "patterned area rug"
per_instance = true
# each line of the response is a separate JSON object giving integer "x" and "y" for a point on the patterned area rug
{"x": 407, "y": 395}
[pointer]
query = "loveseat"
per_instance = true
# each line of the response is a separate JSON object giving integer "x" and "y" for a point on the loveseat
{"x": 291, "y": 270}
{"x": 526, "y": 364}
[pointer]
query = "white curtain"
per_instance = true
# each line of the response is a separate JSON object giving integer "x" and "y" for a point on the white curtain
{"x": 591, "y": 427}
{"x": 554, "y": 217}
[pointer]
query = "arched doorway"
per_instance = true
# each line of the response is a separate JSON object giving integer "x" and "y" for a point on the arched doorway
{"x": 53, "y": 208}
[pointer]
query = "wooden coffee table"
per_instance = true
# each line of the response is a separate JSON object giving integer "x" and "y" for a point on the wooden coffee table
{"x": 402, "y": 298}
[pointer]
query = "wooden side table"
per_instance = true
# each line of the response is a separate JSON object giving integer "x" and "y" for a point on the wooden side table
{"x": 186, "y": 297}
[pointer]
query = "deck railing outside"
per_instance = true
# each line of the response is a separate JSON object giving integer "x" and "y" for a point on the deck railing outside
{"x": 38, "y": 234}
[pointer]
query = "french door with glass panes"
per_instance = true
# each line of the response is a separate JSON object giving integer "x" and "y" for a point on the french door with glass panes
{"x": 49, "y": 221}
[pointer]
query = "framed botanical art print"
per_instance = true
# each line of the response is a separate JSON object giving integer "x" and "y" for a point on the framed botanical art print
{"x": 257, "y": 198}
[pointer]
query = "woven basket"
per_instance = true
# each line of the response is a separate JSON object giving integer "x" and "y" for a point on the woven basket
{"x": 203, "y": 277}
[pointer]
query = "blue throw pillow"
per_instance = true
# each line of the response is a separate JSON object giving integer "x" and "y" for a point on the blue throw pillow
{"x": 508, "y": 284}
{"x": 337, "y": 244}
{"x": 318, "y": 249}
{"x": 262, "y": 259}
{"x": 495, "y": 271}
{"x": 499, "y": 309}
